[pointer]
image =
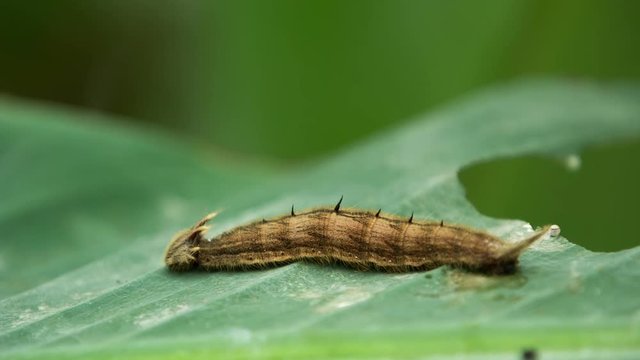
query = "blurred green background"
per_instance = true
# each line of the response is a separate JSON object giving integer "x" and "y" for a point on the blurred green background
{"x": 294, "y": 80}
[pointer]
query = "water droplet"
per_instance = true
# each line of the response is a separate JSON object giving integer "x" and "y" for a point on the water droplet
{"x": 573, "y": 162}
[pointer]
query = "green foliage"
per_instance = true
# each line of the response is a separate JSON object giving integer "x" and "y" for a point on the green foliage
{"x": 87, "y": 209}
{"x": 294, "y": 79}
{"x": 594, "y": 194}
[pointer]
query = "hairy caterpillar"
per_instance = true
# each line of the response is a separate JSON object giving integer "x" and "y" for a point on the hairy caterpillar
{"x": 356, "y": 238}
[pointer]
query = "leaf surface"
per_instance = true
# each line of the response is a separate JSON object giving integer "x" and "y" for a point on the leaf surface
{"x": 88, "y": 207}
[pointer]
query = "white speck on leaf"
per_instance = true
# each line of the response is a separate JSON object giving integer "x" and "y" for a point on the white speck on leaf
{"x": 152, "y": 319}
{"x": 173, "y": 207}
{"x": 240, "y": 335}
{"x": 348, "y": 298}
{"x": 573, "y": 162}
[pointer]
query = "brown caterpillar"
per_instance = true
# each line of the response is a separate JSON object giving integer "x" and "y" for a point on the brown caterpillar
{"x": 356, "y": 238}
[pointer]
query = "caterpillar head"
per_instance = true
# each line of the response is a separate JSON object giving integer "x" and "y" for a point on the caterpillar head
{"x": 181, "y": 253}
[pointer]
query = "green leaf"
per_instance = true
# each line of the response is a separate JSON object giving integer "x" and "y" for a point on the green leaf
{"x": 88, "y": 206}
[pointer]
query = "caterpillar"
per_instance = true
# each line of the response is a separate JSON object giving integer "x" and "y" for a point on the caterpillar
{"x": 356, "y": 238}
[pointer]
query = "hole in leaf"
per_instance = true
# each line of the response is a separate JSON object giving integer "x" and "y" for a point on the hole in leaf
{"x": 594, "y": 197}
